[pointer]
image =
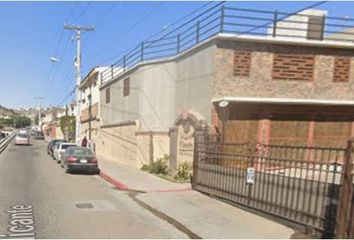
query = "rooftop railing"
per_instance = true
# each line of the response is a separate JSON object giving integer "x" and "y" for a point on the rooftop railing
{"x": 238, "y": 21}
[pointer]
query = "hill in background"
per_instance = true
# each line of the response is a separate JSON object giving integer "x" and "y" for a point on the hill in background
{"x": 6, "y": 111}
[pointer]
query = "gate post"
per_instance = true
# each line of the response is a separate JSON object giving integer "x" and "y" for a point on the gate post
{"x": 345, "y": 193}
{"x": 199, "y": 139}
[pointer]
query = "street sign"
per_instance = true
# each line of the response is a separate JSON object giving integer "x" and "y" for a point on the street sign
{"x": 250, "y": 175}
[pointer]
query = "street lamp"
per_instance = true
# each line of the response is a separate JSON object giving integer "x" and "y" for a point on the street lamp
{"x": 78, "y": 99}
{"x": 223, "y": 105}
{"x": 54, "y": 60}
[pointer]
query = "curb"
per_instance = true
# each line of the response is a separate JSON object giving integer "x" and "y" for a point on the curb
{"x": 119, "y": 185}
{"x": 174, "y": 190}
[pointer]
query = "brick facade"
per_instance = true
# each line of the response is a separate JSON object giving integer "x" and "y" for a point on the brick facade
{"x": 341, "y": 69}
{"x": 260, "y": 82}
{"x": 242, "y": 63}
{"x": 293, "y": 67}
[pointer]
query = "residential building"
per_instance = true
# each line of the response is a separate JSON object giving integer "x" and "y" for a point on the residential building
{"x": 51, "y": 122}
{"x": 89, "y": 104}
{"x": 277, "y": 89}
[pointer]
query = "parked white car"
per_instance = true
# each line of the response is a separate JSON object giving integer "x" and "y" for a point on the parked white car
{"x": 22, "y": 139}
{"x": 23, "y": 131}
{"x": 59, "y": 150}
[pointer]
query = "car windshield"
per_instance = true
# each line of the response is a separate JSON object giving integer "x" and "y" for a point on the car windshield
{"x": 22, "y": 135}
{"x": 65, "y": 146}
{"x": 57, "y": 141}
{"x": 80, "y": 151}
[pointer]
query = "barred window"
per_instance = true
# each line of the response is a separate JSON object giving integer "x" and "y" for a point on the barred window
{"x": 242, "y": 63}
{"x": 126, "y": 87}
{"x": 108, "y": 95}
{"x": 341, "y": 69}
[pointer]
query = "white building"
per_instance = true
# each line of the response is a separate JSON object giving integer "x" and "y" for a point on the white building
{"x": 89, "y": 103}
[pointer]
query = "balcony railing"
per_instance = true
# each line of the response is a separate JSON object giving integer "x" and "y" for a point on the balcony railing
{"x": 85, "y": 114}
{"x": 237, "y": 21}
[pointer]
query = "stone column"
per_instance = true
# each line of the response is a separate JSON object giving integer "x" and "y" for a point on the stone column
{"x": 173, "y": 148}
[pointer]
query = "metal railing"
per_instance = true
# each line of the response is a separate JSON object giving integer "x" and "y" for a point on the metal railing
{"x": 6, "y": 141}
{"x": 237, "y": 21}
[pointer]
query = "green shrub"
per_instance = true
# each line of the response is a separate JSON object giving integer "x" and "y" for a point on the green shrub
{"x": 184, "y": 171}
{"x": 145, "y": 167}
{"x": 158, "y": 167}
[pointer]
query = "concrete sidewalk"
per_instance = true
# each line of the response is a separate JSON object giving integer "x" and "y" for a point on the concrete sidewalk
{"x": 201, "y": 215}
{"x": 135, "y": 179}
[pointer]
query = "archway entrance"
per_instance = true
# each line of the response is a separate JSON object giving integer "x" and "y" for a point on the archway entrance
{"x": 182, "y": 138}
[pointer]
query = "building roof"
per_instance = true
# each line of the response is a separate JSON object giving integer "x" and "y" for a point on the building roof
{"x": 287, "y": 101}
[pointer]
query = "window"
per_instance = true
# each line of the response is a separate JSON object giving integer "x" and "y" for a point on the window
{"x": 108, "y": 95}
{"x": 293, "y": 67}
{"x": 242, "y": 63}
{"x": 341, "y": 69}
{"x": 126, "y": 87}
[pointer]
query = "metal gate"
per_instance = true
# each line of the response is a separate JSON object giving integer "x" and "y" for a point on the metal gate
{"x": 300, "y": 184}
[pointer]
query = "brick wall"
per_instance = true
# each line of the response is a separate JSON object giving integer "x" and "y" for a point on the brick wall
{"x": 341, "y": 69}
{"x": 293, "y": 67}
{"x": 262, "y": 82}
{"x": 242, "y": 63}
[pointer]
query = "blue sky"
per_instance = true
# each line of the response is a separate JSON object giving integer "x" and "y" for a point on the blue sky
{"x": 31, "y": 32}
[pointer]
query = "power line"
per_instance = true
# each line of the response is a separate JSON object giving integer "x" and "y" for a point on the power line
{"x": 66, "y": 96}
{"x": 66, "y": 84}
{"x": 62, "y": 30}
{"x": 57, "y": 49}
{"x": 104, "y": 16}
{"x": 53, "y": 79}
{"x": 160, "y": 31}
{"x": 270, "y": 22}
{"x": 131, "y": 27}
{"x": 82, "y": 12}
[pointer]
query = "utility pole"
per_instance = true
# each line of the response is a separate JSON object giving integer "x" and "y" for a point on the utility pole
{"x": 78, "y": 30}
{"x": 39, "y": 111}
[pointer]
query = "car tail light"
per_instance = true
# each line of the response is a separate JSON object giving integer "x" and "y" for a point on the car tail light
{"x": 94, "y": 159}
{"x": 71, "y": 159}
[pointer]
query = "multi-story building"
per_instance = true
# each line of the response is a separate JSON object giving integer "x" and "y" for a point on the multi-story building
{"x": 288, "y": 84}
{"x": 89, "y": 103}
{"x": 51, "y": 122}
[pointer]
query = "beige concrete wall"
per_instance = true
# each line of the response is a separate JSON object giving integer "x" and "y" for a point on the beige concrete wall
{"x": 121, "y": 109}
{"x": 118, "y": 144}
{"x": 260, "y": 82}
{"x": 159, "y": 93}
{"x": 194, "y": 82}
{"x": 59, "y": 133}
{"x": 161, "y": 145}
{"x": 151, "y": 146}
{"x": 156, "y": 101}
{"x": 84, "y": 130}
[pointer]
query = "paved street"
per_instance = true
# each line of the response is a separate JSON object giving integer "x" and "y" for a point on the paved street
{"x": 28, "y": 176}
{"x": 39, "y": 200}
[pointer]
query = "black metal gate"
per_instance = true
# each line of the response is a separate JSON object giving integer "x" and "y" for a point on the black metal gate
{"x": 300, "y": 184}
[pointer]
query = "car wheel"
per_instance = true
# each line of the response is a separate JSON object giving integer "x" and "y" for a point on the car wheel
{"x": 67, "y": 170}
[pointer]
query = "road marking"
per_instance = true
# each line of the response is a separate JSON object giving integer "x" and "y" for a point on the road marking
{"x": 21, "y": 222}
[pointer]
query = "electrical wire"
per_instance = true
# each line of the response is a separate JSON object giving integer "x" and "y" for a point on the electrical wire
{"x": 153, "y": 35}
{"x": 45, "y": 85}
{"x": 127, "y": 30}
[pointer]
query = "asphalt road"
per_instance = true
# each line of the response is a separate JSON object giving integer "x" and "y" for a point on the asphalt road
{"x": 37, "y": 199}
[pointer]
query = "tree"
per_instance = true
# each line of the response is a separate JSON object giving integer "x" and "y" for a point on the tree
{"x": 67, "y": 126}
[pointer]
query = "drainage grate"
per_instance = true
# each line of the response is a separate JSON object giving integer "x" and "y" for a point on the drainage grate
{"x": 84, "y": 205}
